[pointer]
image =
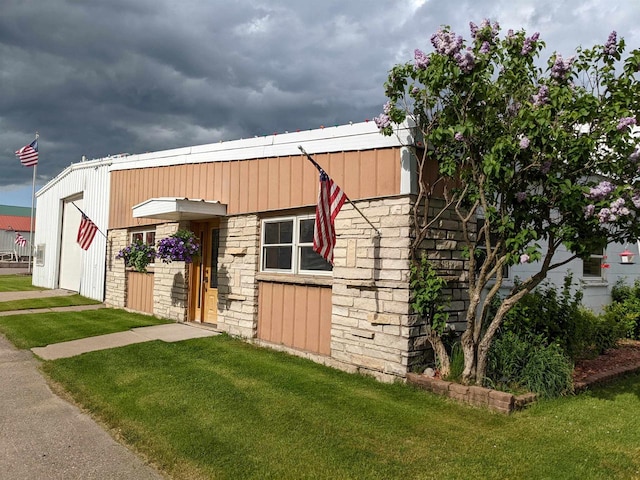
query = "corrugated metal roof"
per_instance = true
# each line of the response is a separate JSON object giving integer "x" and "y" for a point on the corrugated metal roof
{"x": 12, "y": 222}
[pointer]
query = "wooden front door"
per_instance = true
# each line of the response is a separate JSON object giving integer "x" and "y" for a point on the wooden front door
{"x": 204, "y": 274}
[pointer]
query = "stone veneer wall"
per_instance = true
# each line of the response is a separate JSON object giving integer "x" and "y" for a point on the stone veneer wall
{"x": 238, "y": 259}
{"x": 116, "y": 279}
{"x": 373, "y": 329}
{"x": 444, "y": 246}
{"x": 171, "y": 281}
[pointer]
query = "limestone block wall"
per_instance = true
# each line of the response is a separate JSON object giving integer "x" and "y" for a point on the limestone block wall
{"x": 238, "y": 259}
{"x": 371, "y": 321}
{"x": 171, "y": 281}
{"x": 373, "y": 327}
{"x": 116, "y": 280}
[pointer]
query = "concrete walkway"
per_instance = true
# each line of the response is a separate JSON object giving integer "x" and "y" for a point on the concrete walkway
{"x": 43, "y": 436}
{"x": 171, "y": 332}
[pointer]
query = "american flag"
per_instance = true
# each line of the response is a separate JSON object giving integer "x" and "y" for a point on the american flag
{"x": 28, "y": 154}
{"x": 86, "y": 232}
{"x": 20, "y": 240}
{"x": 330, "y": 201}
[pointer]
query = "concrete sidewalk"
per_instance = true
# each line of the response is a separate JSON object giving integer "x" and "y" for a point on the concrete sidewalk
{"x": 43, "y": 436}
{"x": 57, "y": 292}
{"x": 171, "y": 332}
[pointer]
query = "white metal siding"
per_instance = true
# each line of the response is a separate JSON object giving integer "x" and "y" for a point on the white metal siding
{"x": 91, "y": 180}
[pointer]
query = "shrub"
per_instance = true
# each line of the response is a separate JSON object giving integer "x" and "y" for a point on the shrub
{"x": 555, "y": 315}
{"x": 624, "y": 311}
{"x": 529, "y": 363}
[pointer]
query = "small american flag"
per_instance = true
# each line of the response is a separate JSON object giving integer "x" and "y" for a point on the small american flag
{"x": 28, "y": 154}
{"x": 330, "y": 201}
{"x": 86, "y": 232}
{"x": 20, "y": 240}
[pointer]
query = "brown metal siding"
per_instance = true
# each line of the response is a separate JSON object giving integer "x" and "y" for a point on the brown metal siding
{"x": 140, "y": 292}
{"x": 247, "y": 186}
{"x": 297, "y": 316}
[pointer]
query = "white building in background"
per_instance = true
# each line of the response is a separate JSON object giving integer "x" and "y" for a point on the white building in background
{"x": 59, "y": 260}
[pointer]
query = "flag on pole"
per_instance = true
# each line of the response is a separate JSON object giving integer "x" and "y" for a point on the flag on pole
{"x": 20, "y": 240}
{"x": 330, "y": 201}
{"x": 86, "y": 232}
{"x": 28, "y": 154}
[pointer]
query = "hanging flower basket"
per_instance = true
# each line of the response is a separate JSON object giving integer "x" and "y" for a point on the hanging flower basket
{"x": 182, "y": 246}
{"x": 138, "y": 255}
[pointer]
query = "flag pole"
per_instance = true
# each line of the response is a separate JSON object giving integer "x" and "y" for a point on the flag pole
{"x": 33, "y": 199}
{"x": 346, "y": 196}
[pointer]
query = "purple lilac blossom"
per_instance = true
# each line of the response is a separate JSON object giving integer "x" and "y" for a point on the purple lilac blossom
{"x": 485, "y": 48}
{"x": 542, "y": 96}
{"x": 546, "y": 166}
{"x": 421, "y": 59}
{"x": 382, "y": 120}
{"x": 446, "y": 43}
{"x": 474, "y": 29}
{"x": 601, "y": 190}
{"x": 610, "y": 46}
{"x": 635, "y": 155}
{"x": 604, "y": 215}
{"x": 458, "y": 137}
{"x": 636, "y": 200}
{"x": 524, "y": 143}
{"x": 521, "y": 196}
{"x": 386, "y": 108}
{"x": 529, "y": 44}
{"x": 561, "y": 67}
{"x": 465, "y": 60}
{"x": 626, "y": 122}
{"x": 524, "y": 258}
{"x": 588, "y": 210}
{"x": 415, "y": 91}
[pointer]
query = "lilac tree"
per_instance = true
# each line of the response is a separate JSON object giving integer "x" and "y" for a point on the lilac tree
{"x": 546, "y": 156}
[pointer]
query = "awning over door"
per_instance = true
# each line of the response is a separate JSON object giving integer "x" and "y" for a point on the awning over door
{"x": 176, "y": 209}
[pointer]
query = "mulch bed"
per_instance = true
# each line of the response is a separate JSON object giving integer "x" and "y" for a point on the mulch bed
{"x": 609, "y": 365}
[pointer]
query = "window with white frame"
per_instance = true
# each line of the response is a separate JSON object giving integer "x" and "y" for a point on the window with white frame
{"x": 593, "y": 267}
{"x": 287, "y": 246}
{"x": 145, "y": 236}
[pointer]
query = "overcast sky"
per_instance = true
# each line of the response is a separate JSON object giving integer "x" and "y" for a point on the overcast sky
{"x": 104, "y": 77}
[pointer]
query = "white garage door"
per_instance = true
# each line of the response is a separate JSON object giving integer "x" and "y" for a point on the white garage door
{"x": 70, "y": 251}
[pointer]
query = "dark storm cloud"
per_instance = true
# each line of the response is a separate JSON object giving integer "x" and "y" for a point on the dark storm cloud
{"x": 100, "y": 78}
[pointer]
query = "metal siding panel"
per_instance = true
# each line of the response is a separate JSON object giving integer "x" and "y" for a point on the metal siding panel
{"x": 324, "y": 340}
{"x": 253, "y": 185}
{"x": 295, "y": 186}
{"x": 284, "y": 180}
{"x": 368, "y": 186}
{"x": 288, "y": 315}
{"x": 310, "y": 181}
{"x": 235, "y": 187}
{"x": 273, "y": 184}
{"x": 277, "y": 311}
{"x": 263, "y": 184}
{"x": 301, "y": 313}
{"x": 313, "y": 319}
{"x": 387, "y": 174}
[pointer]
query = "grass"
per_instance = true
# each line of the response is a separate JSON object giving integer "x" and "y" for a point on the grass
{"x": 40, "y": 329}
{"x": 46, "y": 302}
{"x": 16, "y": 283}
{"x": 222, "y": 408}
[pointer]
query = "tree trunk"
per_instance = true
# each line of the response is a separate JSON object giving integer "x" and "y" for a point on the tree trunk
{"x": 442, "y": 357}
{"x": 469, "y": 351}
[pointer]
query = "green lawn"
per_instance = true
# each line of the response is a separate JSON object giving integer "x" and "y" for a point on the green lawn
{"x": 16, "y": 283}
{"x": 221, "y": 408}
{"x": 40, "y": 329}
{"x": 46, "y": 302}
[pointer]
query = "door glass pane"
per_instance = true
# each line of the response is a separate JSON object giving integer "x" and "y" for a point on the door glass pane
{"x": 215, "y": 244}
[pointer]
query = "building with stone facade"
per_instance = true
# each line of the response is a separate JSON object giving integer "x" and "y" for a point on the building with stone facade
{"x": 252, "y": 205}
